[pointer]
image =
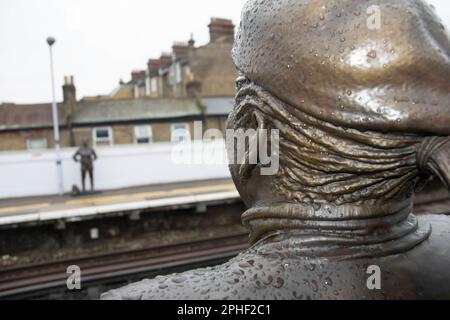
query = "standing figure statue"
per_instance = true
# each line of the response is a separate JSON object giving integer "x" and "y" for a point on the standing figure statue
{"x": 360, "y": 97}
{"x": 86, "y": 155}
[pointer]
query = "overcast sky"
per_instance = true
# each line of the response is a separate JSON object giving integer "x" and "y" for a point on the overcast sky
{"x": 100, "y": 41}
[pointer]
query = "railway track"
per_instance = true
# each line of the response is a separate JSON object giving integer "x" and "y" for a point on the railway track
{"x": 43, "y": 276}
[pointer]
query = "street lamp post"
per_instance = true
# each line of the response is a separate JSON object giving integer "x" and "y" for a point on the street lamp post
{"x": 51, "y": 42}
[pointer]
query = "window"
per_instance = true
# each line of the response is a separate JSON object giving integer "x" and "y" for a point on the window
{"x": 175, "y": 73}
{"x": 188, "y": 73}
{"x": 143, "y": 134}
{"x": 37, "y": 143}
{"x": 180, "y": 132}
{"x": 148, "y": 88}
{"x": 103, "y": 136}
{"x": 154, "y": 85}
{"x": 178, "y": 73}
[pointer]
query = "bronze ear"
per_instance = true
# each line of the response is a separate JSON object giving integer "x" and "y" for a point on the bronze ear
{"x": 439, "y": 164}
{"x": 251, "y": 161}
{"x": 434, "y": 158}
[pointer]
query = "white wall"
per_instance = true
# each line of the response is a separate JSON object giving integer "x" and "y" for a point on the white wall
{"x": 34, "y": 173}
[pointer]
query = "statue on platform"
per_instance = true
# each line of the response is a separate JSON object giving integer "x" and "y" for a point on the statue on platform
{"x": 362, "y": 108}
{"x": 86, "y": 155}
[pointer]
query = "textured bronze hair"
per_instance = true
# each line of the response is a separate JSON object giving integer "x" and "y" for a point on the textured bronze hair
{"x": 335, "y": 179}
{"x": 324, "y": 162}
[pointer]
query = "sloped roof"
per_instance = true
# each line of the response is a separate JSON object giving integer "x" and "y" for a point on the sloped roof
{"x": 133, "y": 110}
{"x": 35, "y": 116}
{"x": 28, "y": 116}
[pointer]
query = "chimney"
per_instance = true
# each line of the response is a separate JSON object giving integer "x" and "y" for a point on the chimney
{"x": 221, "y": 30}
{"x": 137, "y": 75}
{"x": 69, "y": 90}
{"x": 180, "y": 49}
{"x": 153, "y": 66}
{"x": 191, "y": 42}
{"x": 70, "y": 102}
{"x": 166, "y": 60}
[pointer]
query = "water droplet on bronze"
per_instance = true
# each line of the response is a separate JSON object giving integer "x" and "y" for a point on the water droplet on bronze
{"x": 278, "y": 283}
{"x": 372, "y": 54}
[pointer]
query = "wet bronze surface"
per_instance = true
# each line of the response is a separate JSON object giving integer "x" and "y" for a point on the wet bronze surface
{"x": 275, "y": 270}
{"x": 321, "y": 57}
{"x": 363, "y": 118}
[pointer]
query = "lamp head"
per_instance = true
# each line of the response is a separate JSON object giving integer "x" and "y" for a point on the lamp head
{"x": 51, "y": 41}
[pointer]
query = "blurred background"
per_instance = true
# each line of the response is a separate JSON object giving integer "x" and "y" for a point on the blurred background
{"x": 132, "y": 79}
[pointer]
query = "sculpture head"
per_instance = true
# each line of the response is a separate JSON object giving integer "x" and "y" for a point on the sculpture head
{"x": 85, "y": 142}
{"x": 362, "y": 113}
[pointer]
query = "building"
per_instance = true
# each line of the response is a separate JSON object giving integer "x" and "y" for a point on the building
{"x": 109, "y": 122}
{"x": 158, "y": 104}
{"x": 29, "y": 127}
{"x": 187, "y": 70}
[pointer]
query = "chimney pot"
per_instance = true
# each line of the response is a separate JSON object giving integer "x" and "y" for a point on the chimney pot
{"x": 166, "y": 60}
{"x": 69, "y": 90}
{"x": 137, "y": 75}
{"x": 191, "y": 42}
{"x": 221, "y": 30}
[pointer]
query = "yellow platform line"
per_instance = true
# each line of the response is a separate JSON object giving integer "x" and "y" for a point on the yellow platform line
{"x": 23, "y": 208}
{"x": 118, "y": 198}
{"x": 125, "y": 197}
{"x": 148, "y": 195}
{"x": 222, "y": 187}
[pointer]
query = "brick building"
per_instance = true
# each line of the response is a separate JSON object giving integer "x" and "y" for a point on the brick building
{"x": 108, "y": 122}
{"x": 190, "y": 84}
{"x": 187, "y": 70}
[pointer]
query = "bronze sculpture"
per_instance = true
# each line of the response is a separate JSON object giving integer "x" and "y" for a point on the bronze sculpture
{"x": 86, "y": 155}
{"x": 363, "y": 117}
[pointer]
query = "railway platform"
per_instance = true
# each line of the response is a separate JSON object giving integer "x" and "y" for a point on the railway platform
{"x": 131, "y": 201}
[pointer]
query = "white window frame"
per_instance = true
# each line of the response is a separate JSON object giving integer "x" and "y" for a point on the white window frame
{"x": 149, "y": 131}
{"x": 187, "y": 70}
{"x": 29, "y": 142}
{"x": 96, "y": 140}
{"x": 174, "y": 135}
{"x": 148, "y": 89}
{"x": 160, "y": 86}
{"x": 154, "y": 85}
{"x": 178, "y": 76}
